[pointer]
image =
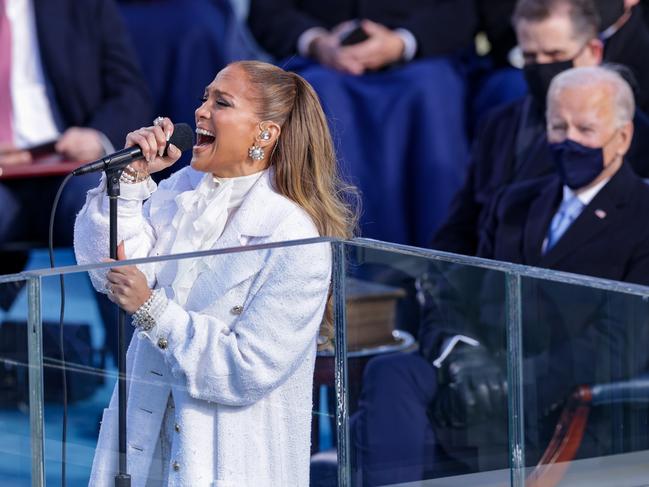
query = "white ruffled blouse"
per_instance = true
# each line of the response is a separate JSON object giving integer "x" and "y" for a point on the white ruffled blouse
{"x": 199, "y": 222}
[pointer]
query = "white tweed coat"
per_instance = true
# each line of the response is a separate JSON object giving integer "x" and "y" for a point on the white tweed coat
{"x": 238, "y": 358}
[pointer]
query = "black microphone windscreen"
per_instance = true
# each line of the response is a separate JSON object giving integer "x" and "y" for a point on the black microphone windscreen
{"x": 182, "y": 137}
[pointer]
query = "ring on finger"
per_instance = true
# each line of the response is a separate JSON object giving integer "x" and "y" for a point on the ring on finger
{"x": 158, "y": 120}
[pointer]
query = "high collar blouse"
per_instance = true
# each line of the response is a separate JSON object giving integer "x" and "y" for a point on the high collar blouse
{"x": 199, "y": 221}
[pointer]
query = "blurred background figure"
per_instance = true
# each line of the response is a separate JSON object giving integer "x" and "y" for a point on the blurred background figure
{"x": 68, "y": 76}
{"x": 511, "y": 145}
{"x": 390, "y": 78}
{"x": 622, "y": 29}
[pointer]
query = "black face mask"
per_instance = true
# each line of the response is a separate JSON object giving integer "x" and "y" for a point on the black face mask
{"x": 539, "y": 76}
{"x": 609, "y": 12}
{"x": 577, "y": 164}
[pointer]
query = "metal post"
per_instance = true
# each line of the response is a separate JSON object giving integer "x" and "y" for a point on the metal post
{"x": 340, "y": 357}
{"x": 35, "y": 365}
{"x": 515, "y": 380}
{"x": 122, "y": 479}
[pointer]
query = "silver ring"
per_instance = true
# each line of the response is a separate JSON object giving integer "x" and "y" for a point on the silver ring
{"x": 158, "y": 120}
{"x": 109, "y": 288}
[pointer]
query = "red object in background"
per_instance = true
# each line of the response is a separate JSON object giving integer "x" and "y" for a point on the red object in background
{"x": 49, "y": 165}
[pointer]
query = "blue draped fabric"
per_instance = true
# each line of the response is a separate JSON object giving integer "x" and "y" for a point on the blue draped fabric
{"x": 181, "y": 45}
{"x": 401, "y": 139}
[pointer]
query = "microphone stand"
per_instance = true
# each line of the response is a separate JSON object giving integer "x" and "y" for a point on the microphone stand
{"x": 122, "y": 479}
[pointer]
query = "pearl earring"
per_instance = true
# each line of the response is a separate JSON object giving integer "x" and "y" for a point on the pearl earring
{"x": 256, "y": 153}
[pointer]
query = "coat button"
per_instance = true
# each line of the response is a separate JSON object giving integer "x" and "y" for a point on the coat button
{"x": 237, "y": 310}
{"x": 162, "y": 343}
{"x": 177, "y": 428}
{"x": 176, "y": 466}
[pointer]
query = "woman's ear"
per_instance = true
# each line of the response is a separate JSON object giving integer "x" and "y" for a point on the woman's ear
{"x": 268, "y": 134}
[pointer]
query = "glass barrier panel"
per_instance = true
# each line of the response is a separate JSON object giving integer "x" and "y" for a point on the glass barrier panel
{"x": 85, "y": 373}
{"x": 15, "y": 431}
{"x": 586, "y": 388}
{"x": 427, "y": 370}
{"x": 228, "y": 385}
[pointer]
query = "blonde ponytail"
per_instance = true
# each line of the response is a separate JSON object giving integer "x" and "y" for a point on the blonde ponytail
{"x": 304, "y": 159}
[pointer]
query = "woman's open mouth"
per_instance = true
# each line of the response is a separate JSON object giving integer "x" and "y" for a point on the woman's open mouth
{"x": 204, "y": 138}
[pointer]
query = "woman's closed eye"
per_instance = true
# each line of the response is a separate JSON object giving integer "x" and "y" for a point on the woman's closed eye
{"x": 219, "y": 101}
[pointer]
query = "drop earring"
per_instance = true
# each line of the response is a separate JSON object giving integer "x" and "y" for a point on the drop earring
{"x": 256, "y": 153}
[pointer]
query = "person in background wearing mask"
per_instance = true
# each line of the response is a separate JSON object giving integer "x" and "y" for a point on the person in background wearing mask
{"x": 626, "y": 41}
{"x": 554, "y": 35}
{"x": 623, "y": 31}
{"x": 452, "y": 395}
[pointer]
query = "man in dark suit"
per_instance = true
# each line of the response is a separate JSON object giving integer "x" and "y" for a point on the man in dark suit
{"x": 622, "y": 28}
{"x": 510, "y": 146}
{"x": 398, "y": 31}
{"x": 585, "y": 219}
{"x": 73, "y": 80}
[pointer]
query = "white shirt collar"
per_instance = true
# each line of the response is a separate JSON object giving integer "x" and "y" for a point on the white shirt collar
{"x": 240, "y": 186}
{"x": 585, "y": 196}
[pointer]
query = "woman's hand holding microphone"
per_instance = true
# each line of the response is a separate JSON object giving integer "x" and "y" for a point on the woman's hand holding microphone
{"x": 127, "y": 286}
{"x": 153, "y": 141}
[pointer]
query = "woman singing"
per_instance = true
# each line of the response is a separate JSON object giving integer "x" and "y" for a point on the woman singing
{"x": 221, "y": 365}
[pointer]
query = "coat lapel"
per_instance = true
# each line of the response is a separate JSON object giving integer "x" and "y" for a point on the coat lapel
{"x": 538, "y": 222}
{"x": 594, "y": 219}
{"x": 261, "y": 212}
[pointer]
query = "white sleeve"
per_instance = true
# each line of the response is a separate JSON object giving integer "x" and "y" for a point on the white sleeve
{"x": 409, "y": 44}
{"x": 91, "y": 231}
{"x": 276, "y": 330}
{"x": 307, "y": 37}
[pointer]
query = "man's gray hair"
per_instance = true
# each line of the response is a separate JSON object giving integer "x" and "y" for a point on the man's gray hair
{"x": 624, "y": 100}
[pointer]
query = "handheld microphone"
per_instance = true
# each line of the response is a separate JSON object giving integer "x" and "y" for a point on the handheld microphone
{"x": 182, "y": 137}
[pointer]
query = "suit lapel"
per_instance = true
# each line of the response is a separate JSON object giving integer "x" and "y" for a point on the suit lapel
{"x": 602, "y": 212}
{"x": 538, "y": 222}
{"x": 52, "y": 29}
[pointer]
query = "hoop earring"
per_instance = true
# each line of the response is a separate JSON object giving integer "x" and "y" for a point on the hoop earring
{"x": 256, "y": 153}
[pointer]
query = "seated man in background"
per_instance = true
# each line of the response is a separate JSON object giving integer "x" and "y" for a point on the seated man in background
{"x": 623, "y": 31}
{"x": 583, "y": 219}
{"x": 394, "y": 90}
{"x": 67, "y": 76}
{"x": 554, "y": 35}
